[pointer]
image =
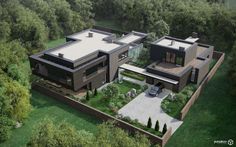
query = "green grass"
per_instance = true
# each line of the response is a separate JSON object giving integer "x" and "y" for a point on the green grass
{"x": 112, "y": 24}
{"x": 43, "y": 107}
{"x": 133, "y": 75}
{"x": 174, "y": 107}
{"x": 55, "y": 43}
{"x": 211, "y": 118}
{"x": 101, "y": 103}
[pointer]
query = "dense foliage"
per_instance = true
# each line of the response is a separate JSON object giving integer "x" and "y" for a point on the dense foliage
{"x": 214, "y": 23}
{"x": 34, "y": 22}
{"x": 63, "y": 134}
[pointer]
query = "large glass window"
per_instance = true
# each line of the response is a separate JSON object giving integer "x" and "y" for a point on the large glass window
{"x": 179, "y": 61}
{"x": 170, "y": 57}
{"x": 123, "y": 55}
{"x": 167, "y": 57}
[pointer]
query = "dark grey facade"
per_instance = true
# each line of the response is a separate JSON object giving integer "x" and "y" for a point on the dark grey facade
{"x": 88, "y": 72}
{"x": 185, "y": 65}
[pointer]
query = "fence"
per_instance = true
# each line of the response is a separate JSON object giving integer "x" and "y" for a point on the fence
{"x": 101, "y": 115}
{"x": 219, "y": 56}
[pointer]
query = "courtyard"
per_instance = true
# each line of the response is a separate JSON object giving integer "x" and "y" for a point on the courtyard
{"x": 145, "y": 106}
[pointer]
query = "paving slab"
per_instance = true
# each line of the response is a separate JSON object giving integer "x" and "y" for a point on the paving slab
{"x": 145, "y": 106}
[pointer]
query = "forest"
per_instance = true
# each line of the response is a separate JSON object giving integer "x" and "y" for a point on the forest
{"x": 26, "y": 25}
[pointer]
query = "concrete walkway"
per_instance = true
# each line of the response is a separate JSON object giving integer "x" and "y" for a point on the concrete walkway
{"x": 144, "y": 106}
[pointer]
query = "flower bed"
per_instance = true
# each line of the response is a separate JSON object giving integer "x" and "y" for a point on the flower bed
{"x": 133, "y": 75}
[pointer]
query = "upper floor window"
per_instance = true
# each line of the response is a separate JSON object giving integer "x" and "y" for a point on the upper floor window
{"x": 123, "y": 55}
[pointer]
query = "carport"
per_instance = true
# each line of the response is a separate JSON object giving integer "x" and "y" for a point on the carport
{"x": 147, "y": 74}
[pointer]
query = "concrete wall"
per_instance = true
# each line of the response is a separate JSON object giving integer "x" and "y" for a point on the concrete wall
{"x": 202, "y": 70}
{"x": 190, "y": 54}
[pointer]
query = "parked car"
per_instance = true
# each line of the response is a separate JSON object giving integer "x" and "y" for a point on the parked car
{"x": 156, "y": 89}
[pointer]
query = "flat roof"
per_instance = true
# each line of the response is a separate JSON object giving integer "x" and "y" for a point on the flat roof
{"x": 85, "y": 45}
{"x": 144, "y": 72}
{"x": 130, "y": 38}
{"x": 167, "y": 42}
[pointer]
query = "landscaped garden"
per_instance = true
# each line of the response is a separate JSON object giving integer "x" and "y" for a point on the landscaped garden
{"x": 173, "y": 104}
{"x": 43, "y": 106}
{"x": 112, "y": 97}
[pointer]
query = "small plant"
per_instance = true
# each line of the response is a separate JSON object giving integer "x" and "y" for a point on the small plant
{"x": 87, "y": 96}
{"x": 144, "y": 87}
{"x": 164, "y": 129}
{"x": 95, "y": 92}
{"x": 157, "y": 126}
{"x": 149, "y": 123}
{"x": 121, "y": 96}
{"x": 110, "y": 91}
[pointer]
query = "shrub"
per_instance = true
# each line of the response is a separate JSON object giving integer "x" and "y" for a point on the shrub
{"x": 157, "y": 126}
{"x": 95, "y": 92}
{"x": 121, "y": 96}
{"x": 149, "y": 123}
{"x": 164, "y": 129}
{"x": 111, "y": 105}
{"x": 144, "y": 87}
{"x": 119, "y": 104}
{"x": 87, "y": 96}
{"x": 110, "y": 91}
{"x": 5, "y": 128}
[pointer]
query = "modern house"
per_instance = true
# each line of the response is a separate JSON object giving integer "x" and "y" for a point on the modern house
{"x": 176, "y": 62}
{"x": 87, "y": 60}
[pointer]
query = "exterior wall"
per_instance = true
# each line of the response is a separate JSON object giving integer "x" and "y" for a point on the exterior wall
{"x": 55, "y": 74}
{"x": 184, "y": 79}
{"x": 202, "y": 70}
{"x": 157, "y": 53}
{"x": 96, "y": 79}
{"x": 114, "y": 62}
{"x": 219, "y": 56}
{"x": 208, "y": 53}
{"x": 190, "y": 54}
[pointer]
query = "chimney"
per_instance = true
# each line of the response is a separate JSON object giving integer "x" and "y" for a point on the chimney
{"x": 172, "y": 42}
{"x": 90, "y": 34}
{"x": 181, "y": 48}
{"x": 60, "y": 55}
{"x": 194, "y": 35}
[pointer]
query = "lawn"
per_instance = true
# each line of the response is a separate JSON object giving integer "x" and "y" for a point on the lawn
{"x": 211, "y": 118}
{"x": 110, "y": 106}
{"x": 55, "y": 43}
{"x": 43, "y": 107}
{"x": 112, "y": 24}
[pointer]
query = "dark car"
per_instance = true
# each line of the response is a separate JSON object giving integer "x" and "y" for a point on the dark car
{"x": 156, "y": 89}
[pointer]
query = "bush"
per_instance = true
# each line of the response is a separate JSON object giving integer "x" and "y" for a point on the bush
{"x": 164, "y": 129}
{"x": 87, "y": 96}
{"x": 119, "y": 104}
{"x": 111, "y": 91}
{"x": 95, "y": 92}
{"x": 157, "y": 126}
{"x": 121, "y": 96}
{"x": 6, "y": 125}
{"x": 149, "y": 123}
{"x": 144, "y": 87}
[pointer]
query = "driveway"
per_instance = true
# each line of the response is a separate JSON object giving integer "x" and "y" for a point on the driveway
{"x": 144, "y": 106}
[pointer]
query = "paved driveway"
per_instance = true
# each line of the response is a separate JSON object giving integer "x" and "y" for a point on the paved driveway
{"x": 144, "y": 106}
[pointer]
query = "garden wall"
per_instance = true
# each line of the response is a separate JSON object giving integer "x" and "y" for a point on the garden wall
{"x": 219, "y": 56}
{"x": 101, "y": 115}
